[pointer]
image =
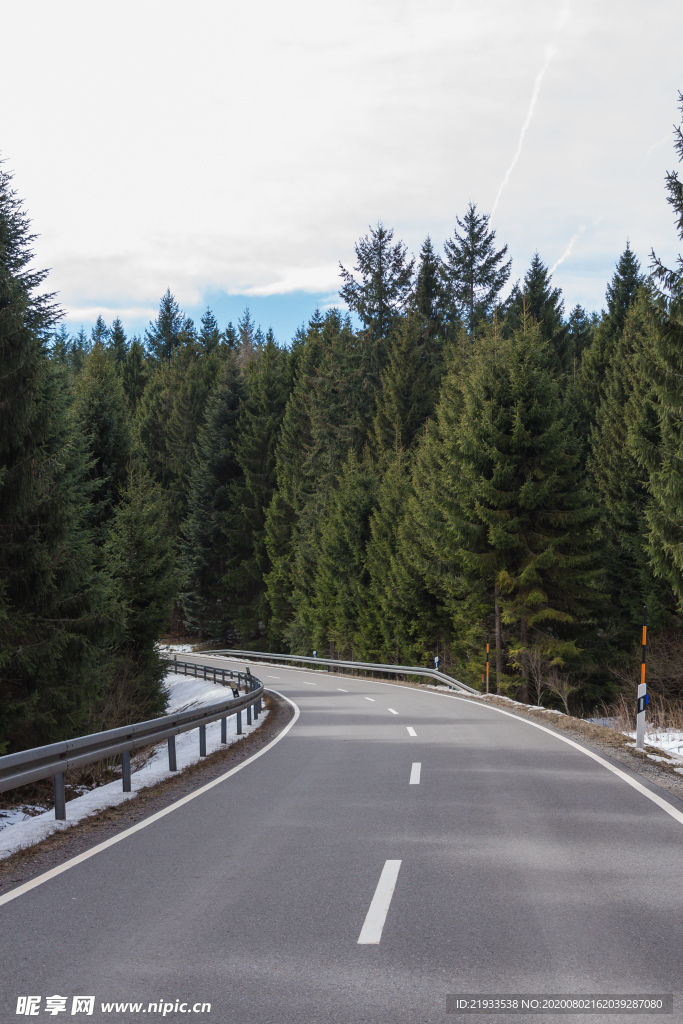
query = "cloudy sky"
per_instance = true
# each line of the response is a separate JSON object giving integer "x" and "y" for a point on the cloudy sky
{"x": 235, "y": 151}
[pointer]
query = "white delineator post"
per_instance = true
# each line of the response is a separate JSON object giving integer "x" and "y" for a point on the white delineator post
{"x": 642, "y": 691}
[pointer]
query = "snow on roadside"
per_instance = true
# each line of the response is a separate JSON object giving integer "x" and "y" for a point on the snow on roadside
{"x": 19, "y": 829}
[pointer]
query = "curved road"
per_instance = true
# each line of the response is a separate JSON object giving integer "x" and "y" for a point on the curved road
{"x": 525, "y": 866}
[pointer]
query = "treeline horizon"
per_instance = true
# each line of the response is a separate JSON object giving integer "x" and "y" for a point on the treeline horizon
{"x": 453, "y": 469}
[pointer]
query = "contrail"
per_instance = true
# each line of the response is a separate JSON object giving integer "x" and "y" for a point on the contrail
{"x": 568, "y": 250}
{"x": 550, "y": 52}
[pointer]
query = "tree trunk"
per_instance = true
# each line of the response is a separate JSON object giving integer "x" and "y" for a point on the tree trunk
{"x": 525, "y": 668}
{"x": 499, "y": 640}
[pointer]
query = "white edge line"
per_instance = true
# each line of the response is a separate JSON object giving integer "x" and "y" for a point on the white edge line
{"x": 638, "y": 786}
{"x": 654, "y": 797}
{"x": 415, "y": 772}
{"x": 371, "y": 932}
{"x": 27, "y": 886}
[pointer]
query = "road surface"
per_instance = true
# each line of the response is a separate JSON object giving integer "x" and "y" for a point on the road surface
{"x": 468, "y": 851}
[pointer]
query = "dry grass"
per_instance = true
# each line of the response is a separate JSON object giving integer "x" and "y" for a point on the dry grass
{"x": 664, "y": 717}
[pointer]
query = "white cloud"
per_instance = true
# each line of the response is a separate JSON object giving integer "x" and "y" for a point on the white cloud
{"x": 244, "y": 147}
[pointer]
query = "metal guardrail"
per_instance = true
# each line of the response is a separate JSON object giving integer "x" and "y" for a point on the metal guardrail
{"x": 398, "y": 670}
{"x": 53, "y": 760}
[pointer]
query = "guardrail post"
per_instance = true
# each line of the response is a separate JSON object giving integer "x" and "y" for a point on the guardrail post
{"x": 239, "y": 723}
{"x": 249, "y": 715}
{"x": 125, "y": 770}
{"x": 224, "y": 730}
{"x": 202, "y": 741}
{"x": 172, "y": 764}
{"x": 255, "y": 710}
{"x": 60, "y": 796}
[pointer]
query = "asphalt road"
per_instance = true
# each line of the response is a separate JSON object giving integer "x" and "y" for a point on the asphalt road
{"x": 525, "y": 867}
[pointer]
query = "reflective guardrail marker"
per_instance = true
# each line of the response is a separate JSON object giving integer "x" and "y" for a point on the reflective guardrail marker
{"x": 643, "y": 698}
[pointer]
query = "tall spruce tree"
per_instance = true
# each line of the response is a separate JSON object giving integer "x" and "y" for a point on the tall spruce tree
{"x": 141, "y": 564}
{"x": 208, "y": 602}
{"x": 118, "y": 344}
{"x": 626, "y": 424}
{"x": 621, "y": 294}
{"x": 164, "y": 335}
{"x": 341, "y": 578}
{"x": 295, "y": 485}
{"x": 473, "y": 270}
{"x": 101, "y": 410}
{"x": 408, "y": 393}
{"x": 663, "y": 461}
{"x": 385, "y": 281}
{"x": 134, "y": 374}
{"x": 100, "y": 333}
{"x": 209, "y": 335}
{"x": 509, "y": 502}
{"x": 544, "y": 304}
{"x": 52, "y": 602}
{"x": 267, "y": 387}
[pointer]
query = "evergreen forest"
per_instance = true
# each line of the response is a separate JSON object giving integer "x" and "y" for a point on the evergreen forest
{"x": 449, "y": 458}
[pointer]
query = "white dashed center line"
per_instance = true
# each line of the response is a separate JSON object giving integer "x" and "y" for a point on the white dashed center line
{"x": 272, "y": 677}
{"x": 392, "y": 711}
{"x": 411, "y": 731}
{"x": 371, "y": 932}
{"x": 415, "y": 773}
{"x": 306, "y": 683}
{"x": 371, "y": 698}
{"x": 342, "y": 691}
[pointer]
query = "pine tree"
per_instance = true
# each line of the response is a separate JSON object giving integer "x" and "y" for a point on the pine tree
{"x": 543, "y": 303}
{"x": 209, "y": 336}
{"x": 247, "y": 343}
{"x": 102, "y": 413}
{"x": 230, "y": 337}
{"x": 626, "y": 423}
{"x": 208, "y": 603}
{"x": 621, "y": 294}
{"x": 671, "y": 281}
{"x": 341, "y": 578}
{"x": 134, "y": 374}
{"x": 385, "y": 284}
{"x": 408, "y": 394}
{"x": 266, "y": 391}
{"x": 428, "y": 300}
{"x": 430, "y": 303}
{"x": 512, "y": 522}
{"x": 99, "y": 335}
{"x": 473, "y": 271}
{"x": 118, "y": 344}
{"x": 169, "y": 416}
{"x": 52, "y": 603}
{"x": 581, "y": 328}
{"x": 141, "y": 564}
{"x": 80, "y": 349}
{"x": 163, "y": 336}
{"x": 398, "y": 620}
{"x": 294, "y": 482}
{"x": 622, "y": 290}
{"x": 665, "y": 370}
{"x": 61, "y": 346}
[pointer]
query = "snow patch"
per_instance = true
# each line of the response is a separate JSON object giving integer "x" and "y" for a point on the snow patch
{"x": 23, "y": 826}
